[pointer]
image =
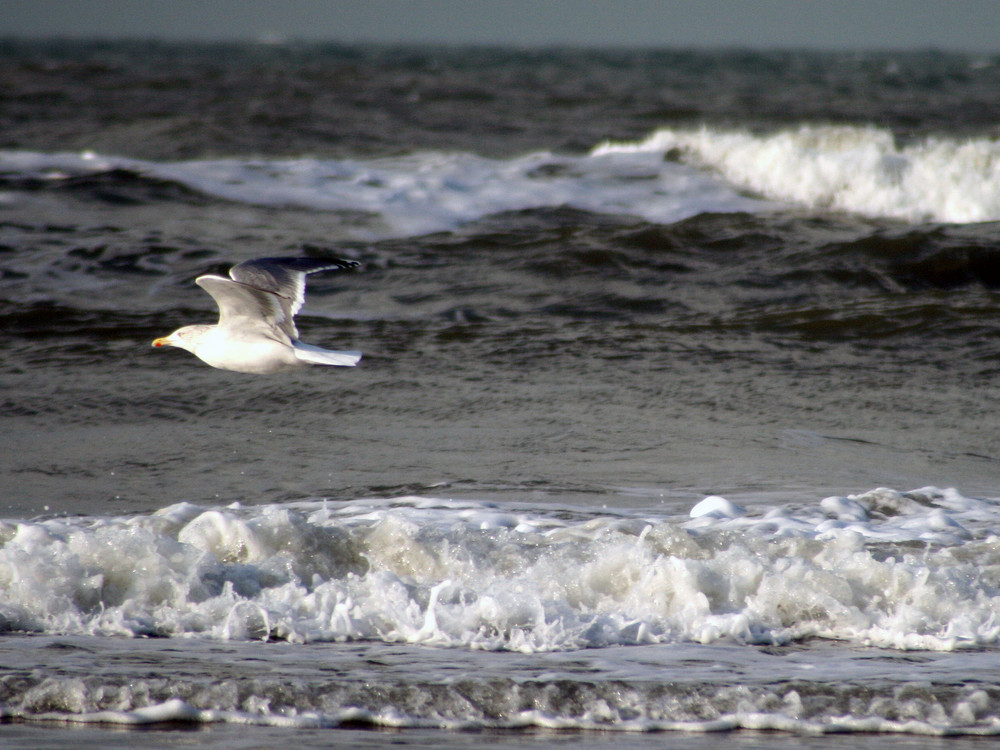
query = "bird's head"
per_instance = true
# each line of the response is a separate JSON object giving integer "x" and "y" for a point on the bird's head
{"x": 182, "y": 338}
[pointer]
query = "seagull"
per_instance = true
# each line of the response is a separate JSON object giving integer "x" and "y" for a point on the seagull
{"x": 256, "y": 330}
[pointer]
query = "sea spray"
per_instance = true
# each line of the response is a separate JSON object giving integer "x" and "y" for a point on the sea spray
{"x": 862, "y": 170}
{"x": 895, "y": 570}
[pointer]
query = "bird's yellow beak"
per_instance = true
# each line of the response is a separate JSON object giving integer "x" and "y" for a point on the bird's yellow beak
{"x": 163, "y": 341}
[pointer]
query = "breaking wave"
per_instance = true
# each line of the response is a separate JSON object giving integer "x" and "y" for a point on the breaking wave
{"x": 914, "y": 570}
{"x": 860, "y": 170}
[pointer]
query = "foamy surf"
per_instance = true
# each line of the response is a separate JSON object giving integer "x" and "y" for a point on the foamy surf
{"x": 861, "y": 170}
{"x": 423, "y": 192}
{"x": 768, "y": 711}
{"x": 813, "y": 689}
{"x": 896, "y": 570}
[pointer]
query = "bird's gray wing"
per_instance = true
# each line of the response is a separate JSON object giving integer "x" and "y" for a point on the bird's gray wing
{"x": 285, "y": 278}
{"x": 244, "y": 308}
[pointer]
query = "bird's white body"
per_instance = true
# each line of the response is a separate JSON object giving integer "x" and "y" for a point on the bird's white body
{"x": 218, "y": 347}
{"x": 256, "y": 330}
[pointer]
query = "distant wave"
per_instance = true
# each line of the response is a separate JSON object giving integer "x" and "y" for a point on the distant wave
{"x": 667, "y": 177}
{"x": 861, "y": 170}
{"x": 411, "y": 195}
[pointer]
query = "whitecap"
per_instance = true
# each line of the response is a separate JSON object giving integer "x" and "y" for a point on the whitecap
{"x": 425, "y": 192}
{"x": 861, "y": 170}
{"x": 899, "y": 570}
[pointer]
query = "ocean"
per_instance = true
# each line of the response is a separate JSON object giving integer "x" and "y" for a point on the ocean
{"x": 676, "y": 422}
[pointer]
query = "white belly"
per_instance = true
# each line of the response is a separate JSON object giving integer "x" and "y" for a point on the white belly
{"x": 257, "y": 354}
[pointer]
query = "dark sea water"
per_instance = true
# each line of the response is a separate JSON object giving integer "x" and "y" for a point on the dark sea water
{"x": 677, "y": 413}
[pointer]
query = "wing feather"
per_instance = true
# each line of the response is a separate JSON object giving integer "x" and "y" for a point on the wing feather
{"x": 243, "y": 307}
{"x": 286, "y": 279}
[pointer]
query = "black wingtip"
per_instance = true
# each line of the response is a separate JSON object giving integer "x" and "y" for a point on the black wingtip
{"x": 280, "y": 275}
{"x": 254, "y": 271}
{"x": 305, "y": 265}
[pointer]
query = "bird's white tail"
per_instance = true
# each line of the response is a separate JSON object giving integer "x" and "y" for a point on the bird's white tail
{"x": 317, "y": 356}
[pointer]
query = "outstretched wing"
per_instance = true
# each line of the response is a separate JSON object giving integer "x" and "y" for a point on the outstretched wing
{"x": 245, "y": 308}
{"x": 285, "y": 280}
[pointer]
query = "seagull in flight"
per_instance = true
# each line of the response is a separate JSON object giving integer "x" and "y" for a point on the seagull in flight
{"x": 256, "y": 330}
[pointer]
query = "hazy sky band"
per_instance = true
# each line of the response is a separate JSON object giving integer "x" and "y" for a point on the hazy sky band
{"x": 961, "y": 25}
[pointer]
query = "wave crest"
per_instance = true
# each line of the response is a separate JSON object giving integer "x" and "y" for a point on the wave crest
{"x": 855, "y": 169}
{"x": 874, "y": 569}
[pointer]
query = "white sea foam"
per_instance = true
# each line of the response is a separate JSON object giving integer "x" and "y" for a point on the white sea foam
{"x": 429, "y": 191}
{"x": 856, "y": 169}
{"x": 916, "y": 570}
{"x": 768, "y": 712}
{"x": 817, "y": 689}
